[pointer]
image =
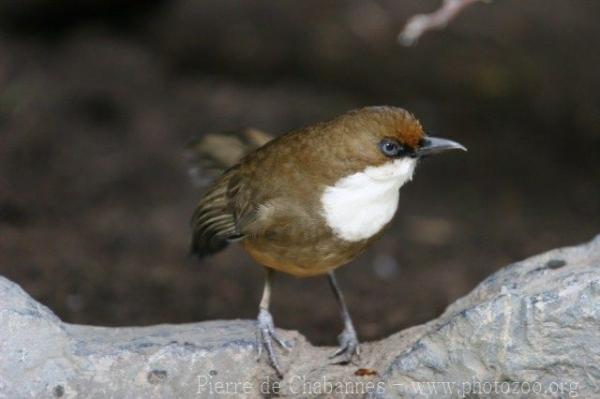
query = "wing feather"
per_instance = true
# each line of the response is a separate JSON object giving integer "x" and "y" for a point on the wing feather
{"x": 213, "y": 222}
{"x": 229, "y": 209}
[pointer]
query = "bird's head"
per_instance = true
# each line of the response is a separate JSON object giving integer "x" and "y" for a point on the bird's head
{"x": 375, "y": 151}
{"x": 384, "y": 142}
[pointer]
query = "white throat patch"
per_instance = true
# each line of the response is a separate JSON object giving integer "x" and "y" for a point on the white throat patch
{"x": 358, "y": 206}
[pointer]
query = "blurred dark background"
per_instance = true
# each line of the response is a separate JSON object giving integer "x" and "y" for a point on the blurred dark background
{"x": 98, "y": 99}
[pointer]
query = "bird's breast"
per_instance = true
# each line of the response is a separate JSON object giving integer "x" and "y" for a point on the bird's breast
{"x": 358, "y": 206}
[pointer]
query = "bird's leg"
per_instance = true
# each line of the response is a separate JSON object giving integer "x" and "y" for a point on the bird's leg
{"x": 349, "y": 346}
{"x": 266, "y": 333}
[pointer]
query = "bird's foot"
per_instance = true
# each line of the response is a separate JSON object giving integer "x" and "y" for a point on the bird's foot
{"x": 266, "y": 334}
{"x": 349, "y": 346}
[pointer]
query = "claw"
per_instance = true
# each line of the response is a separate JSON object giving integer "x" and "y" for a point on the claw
{"x": 284, "y": 345}
{"x": 266, "y": 334}
{"x": 349, "y": 346}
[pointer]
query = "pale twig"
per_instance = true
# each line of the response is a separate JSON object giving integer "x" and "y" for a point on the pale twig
{"x": 421, "y": 23}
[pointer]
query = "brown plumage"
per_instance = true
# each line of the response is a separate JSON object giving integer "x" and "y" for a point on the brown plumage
{"x": 270, "y": 199}
{"x": 291, "y": 201}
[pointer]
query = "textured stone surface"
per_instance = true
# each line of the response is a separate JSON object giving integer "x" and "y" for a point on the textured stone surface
{"x": 531, "y": 329}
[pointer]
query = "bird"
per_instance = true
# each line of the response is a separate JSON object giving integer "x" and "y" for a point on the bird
{"x": 308, "y": 201}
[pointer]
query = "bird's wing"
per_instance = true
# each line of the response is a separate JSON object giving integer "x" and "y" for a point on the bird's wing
{"x": 226, "y": 208}
{"x": 213, "y": 222}
{"x": 227, "y": 212}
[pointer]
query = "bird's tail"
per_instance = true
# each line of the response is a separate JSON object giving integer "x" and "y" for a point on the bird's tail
{"x": 213, "y": 153}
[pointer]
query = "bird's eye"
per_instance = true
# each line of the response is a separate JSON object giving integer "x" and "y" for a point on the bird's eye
{"x": 390, "y": 148}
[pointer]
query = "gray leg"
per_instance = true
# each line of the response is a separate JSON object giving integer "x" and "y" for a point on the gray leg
{"x": 266, "y": 329}
{"x": 348, "y": 340}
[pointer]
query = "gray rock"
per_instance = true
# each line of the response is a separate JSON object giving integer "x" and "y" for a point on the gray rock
{"x": 529, "y": 330}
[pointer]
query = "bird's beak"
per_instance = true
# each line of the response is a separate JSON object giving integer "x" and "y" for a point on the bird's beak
{"x": 435, "y": 145}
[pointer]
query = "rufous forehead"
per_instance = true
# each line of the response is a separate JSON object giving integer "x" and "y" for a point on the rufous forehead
{"x": 398, "y": 123}
{"x": 409, "y": 132}
{"x": 383, "y": 121}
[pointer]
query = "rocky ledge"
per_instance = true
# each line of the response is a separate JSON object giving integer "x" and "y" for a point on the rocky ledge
{"x": 530, "y": 330}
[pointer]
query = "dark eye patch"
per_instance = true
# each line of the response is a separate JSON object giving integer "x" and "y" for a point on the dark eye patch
{"x": 392, "y": 148}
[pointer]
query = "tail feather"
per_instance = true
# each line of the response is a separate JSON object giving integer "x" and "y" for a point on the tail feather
{"x": 212, "y": 154}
